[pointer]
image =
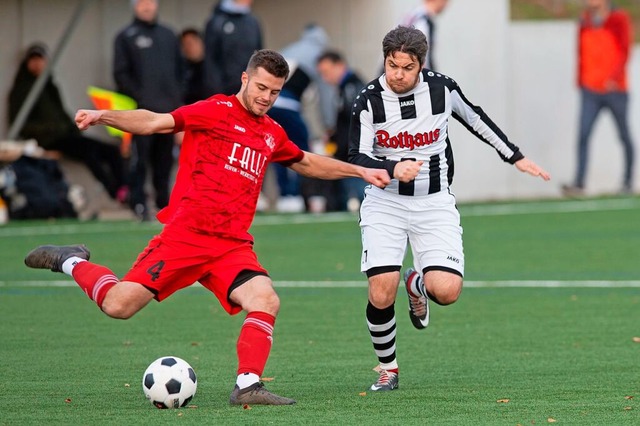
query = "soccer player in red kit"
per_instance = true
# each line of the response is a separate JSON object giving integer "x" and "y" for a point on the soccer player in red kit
{"x": 228, "y": 142}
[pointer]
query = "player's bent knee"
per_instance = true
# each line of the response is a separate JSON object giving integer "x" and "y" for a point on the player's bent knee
{"x": 118, "y": 310}
{"x": 382, "y": 300}
{"x": 383, "y": 289}
{"x": 125, "y": 299}
{"x": 446, "y": 292}
{"x": 447, "y": 298}
{"x": 257, "y": 295}
{"x": 268, "y": 302}
{"x": 449, "y": 295}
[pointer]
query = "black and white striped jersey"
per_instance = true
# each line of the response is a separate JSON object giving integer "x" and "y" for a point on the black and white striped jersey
{"x": 387, "y": 128}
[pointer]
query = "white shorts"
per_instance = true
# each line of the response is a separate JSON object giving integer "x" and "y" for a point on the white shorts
{"x": 431, "y": 225}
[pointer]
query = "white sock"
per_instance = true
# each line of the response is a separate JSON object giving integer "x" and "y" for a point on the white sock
{"x": 247, "y": 379}
{"x": 393, "y": 365}
{"x": 70, "y": 263}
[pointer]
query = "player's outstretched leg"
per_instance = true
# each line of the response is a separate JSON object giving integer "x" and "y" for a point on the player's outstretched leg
{"x": 95, "y": 280}
{"x": 257, "y": 394}
{"x": 418, "y": 301}
{"x": 52, "y": 257}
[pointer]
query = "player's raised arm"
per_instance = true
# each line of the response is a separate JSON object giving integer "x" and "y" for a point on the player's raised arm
{"x": 138, "y": 121}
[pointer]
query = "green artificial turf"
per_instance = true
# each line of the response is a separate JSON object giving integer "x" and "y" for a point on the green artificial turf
{"x": 503, "y": 356}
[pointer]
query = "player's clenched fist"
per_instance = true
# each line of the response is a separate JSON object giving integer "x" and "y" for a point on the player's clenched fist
{"x": 406, "y": 171}
{"x": 86, "y": 118}
{"x": 377, "y": 177}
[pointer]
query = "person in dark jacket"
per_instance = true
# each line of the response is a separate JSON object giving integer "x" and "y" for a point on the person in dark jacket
{"x": 53, "y": 128}
{"x": 148, "y": 66}
{"x": 192, "y": 46}
{"x": 231, "y": 36}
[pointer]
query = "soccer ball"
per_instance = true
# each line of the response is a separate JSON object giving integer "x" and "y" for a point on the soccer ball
{"x": 169, "y": 382}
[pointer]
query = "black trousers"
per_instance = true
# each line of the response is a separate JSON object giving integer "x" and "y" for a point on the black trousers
{"x": 103, "y": 160}
{"x": 155, "y": 152}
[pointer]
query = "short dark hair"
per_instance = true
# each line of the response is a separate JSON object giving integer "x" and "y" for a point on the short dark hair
{"x": 272, "y": 62}
{"x": 190, "y": 31}
{"x": 331, "y": 55}
{"x": 408, "y": 40}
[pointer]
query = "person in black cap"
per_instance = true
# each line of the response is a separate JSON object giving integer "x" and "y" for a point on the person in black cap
{"x": 53, "y": 128}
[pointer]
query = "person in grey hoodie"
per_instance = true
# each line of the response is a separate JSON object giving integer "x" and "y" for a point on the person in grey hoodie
{"x": 232, "y": 34}
{"x": 148, "y": 66}
{"x": 302, "y": 56}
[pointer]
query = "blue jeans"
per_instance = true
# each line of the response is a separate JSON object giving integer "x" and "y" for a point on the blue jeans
{"x": 592, "y": 104}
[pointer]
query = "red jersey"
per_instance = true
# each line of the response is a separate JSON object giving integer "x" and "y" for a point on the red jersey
{"x": 604, "y": 50}
{"x": 223, "y": 160}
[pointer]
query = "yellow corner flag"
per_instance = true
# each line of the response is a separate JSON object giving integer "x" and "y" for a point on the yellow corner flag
{"x": 107, "y": 99}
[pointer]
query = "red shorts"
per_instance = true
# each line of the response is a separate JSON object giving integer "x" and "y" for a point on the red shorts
{"x": 177, "y": 258}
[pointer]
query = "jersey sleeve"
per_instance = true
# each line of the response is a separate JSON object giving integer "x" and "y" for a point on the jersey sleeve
{"x": 478, "y": 122}
{"x": 286, "y": 152}
{"x": 198, "y": 115}
{"x": 362, "y": 136}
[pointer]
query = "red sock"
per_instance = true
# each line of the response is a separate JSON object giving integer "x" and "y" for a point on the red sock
{"x": 254, "y": 342}
{"x": 95, "y": 280}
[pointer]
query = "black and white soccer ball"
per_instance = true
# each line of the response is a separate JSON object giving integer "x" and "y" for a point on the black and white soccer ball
{"x": 169, "y": 382}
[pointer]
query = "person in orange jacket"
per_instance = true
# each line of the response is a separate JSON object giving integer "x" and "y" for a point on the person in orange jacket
{"x": 604, "y": 46}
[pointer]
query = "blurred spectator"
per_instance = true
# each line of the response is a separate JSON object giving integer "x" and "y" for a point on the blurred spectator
{"x": 149, "y": 67}
{"x": 54, "y": 129}
{"x": 193, "y": 51}
{"x": 287, "y": 110}
{"x": 604, "y": 46}
{"x": 34, "y": 187}
{"x": 333, "y": 68}
{"x": 422, "y": 18}
{"x": 231, "y": 36}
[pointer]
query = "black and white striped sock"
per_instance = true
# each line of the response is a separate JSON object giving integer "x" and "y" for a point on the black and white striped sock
{"x": 417, "y": 286}
{"x": 382, "y": 328}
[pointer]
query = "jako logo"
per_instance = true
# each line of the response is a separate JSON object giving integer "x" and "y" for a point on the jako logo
{"x": 453, "y": 259}
{"x": 239, "y": 128}
{"x": 407, "y": 103}
{"x": 406, "y": 139}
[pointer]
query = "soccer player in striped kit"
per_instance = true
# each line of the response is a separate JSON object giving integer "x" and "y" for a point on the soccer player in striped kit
{"x": 400, "y": 123}
{"x": 228, "y": 143}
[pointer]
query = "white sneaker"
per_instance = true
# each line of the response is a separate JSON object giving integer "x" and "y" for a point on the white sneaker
{"x": 353, "y": 205}
{"x": 387, "y": 381}
{"x": 263, "y": 203}
{"x": 290, "y": 204}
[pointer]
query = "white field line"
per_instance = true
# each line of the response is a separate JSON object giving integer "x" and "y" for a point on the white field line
{"x": 363, "y": 284}
{"x": 473, "y": 284}
{"x": 574, "y": 206}
{"x": 80, "y": 229}
{"x": 286, "y": 219}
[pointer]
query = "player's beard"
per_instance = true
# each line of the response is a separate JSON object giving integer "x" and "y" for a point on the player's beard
{"x": 402, "y": 88}
{"x": 252, "y": 106}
